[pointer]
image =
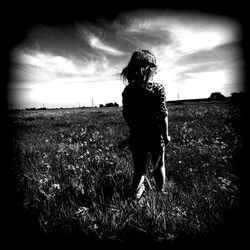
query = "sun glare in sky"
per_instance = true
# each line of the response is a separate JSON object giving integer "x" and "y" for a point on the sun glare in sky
{"x": 66, "y": 66}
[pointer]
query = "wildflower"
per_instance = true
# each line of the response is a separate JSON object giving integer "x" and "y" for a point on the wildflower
{"x": 46, "y": 195}
{"x": 97, "y": 158}
{"x": 170, "y": 236}
{"x": 47, "y": 165}
{"x": 216, "y": 141}
{"x": 43, "y": 181}
{"x": 178, "y": 212}
{"x": 81, "y": 211}
{"x": 225, "y": 183}
{"x": 70, "y": 167}
{"x": 159, "y": 239}
{"x": 223, "y": 145}
{"x": 80, "y": 189}
{"x": 56, "y": 186}
{"x": 86, "y": 169}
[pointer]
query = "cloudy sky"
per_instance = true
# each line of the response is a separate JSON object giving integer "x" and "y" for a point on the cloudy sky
{"x": 71, "y": 65}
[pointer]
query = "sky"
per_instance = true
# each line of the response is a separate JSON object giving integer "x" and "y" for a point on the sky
{"x": 78, "y": 64}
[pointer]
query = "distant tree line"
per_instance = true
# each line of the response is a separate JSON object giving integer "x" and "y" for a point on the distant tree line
{"x": 240, "y": 99}
{"x": 216, "y": 95}
{"x": 43, "y": 108}
{"x": 110, "y": 104}
{"x": 236, "y": 96}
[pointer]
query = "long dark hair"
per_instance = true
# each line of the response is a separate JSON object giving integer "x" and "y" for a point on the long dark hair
{"x": 141, "y": 67}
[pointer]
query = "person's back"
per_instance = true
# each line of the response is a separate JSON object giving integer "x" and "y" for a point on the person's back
{"x": 145, "y": 111}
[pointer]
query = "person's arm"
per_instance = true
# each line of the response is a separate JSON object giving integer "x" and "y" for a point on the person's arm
{"x": 164, "y": 130}
{"x": 164, "y": 117}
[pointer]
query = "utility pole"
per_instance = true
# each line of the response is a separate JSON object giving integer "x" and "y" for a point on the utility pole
{"x": 92, "y": 102}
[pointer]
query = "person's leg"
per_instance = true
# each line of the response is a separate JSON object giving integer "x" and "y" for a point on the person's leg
{"x": 158, "y": 160}
{"x": 139, "y": 157}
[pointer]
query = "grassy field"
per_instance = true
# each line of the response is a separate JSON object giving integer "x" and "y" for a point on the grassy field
{"x": 73, "y": 173}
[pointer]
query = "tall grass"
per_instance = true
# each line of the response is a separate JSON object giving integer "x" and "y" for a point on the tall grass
{"x": 74, "y": 175}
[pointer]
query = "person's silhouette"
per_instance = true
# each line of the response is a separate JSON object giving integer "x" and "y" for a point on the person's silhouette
{"x": 146, "y": 114}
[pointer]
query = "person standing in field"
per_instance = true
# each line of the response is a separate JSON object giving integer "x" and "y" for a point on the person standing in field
{"x": 146, "y": 114}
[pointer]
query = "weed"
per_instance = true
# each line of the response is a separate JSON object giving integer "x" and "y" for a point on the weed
{"x": 74, "y": 177}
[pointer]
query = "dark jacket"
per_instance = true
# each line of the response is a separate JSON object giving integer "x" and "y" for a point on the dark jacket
{"x": 143, "y": 107}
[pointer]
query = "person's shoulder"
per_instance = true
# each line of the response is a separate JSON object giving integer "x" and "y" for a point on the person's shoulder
{"x": 157, "y": 86}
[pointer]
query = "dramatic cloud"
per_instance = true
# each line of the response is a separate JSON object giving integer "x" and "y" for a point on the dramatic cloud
{"x": 95, "y": 42}
{"x": 68, "y": 65}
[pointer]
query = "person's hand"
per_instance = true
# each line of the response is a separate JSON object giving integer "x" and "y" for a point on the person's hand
{"x": 167, "y": 139}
